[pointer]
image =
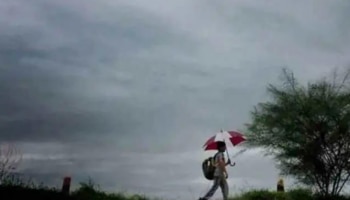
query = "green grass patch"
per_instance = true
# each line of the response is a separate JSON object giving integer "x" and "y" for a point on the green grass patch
{"x": 295, "y": 194}
{"x": 16, "y": 188}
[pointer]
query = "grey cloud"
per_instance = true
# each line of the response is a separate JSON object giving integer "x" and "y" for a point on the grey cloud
{"x": 109, "y": 88}
{"x": 54, "y": 88}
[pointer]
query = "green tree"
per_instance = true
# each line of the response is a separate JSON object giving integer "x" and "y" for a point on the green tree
{"x": 307, "y": 130}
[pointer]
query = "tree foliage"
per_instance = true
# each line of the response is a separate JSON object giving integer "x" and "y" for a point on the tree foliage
{"x": 307, "y": 130}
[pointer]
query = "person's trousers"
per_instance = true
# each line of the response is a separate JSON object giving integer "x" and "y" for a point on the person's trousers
{"x": 218, "y": 181}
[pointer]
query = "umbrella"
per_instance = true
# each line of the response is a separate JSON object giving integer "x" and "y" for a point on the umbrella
{"x": 232, "y": 137}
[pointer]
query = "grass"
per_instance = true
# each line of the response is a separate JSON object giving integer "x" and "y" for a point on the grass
{"x": 15, "y": 188}
{"x": 295, "y": 194}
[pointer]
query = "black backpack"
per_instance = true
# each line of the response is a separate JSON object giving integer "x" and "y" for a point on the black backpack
{"x": 208, "y": 167}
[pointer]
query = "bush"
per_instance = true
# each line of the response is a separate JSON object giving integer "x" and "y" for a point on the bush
{"x": 91, "y": 191}
{"x": 300, "y": 194}
{"x": 15, "y": 188}
{"x": 317, "y": 197}
{"x": 18, "y": 192}
{"x": 261, "y": 195}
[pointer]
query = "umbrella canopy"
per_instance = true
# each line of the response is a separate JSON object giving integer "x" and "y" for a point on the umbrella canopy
{"x": 233, "y": 137}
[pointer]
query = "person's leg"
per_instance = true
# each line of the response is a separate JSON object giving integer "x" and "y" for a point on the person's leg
{"x": 210, "y": 193}
{"x": 224, "y": 188}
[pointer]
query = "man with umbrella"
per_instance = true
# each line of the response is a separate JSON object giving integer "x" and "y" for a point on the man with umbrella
{"x": 220, "y": 174}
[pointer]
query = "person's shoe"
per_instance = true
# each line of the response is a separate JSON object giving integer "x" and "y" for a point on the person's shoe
{"x": 202, "y": 198}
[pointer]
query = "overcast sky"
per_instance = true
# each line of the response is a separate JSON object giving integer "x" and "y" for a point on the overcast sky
{"x": 127, "y": 92}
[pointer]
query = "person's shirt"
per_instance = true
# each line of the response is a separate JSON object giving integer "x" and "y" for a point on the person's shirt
{"x": 218, "y": 157}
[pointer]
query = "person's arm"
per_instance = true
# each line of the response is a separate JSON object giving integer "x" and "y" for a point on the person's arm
{"x": 222, "y": 165}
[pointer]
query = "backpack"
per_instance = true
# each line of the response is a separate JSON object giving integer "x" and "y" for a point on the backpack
{"x": 208, "y": 167}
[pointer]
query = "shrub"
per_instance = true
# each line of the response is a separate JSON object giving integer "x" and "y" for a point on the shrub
{"x": 300, "y": 194}
{"x": 261, "y": 195}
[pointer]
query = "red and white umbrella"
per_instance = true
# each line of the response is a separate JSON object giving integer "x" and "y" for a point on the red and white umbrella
{"x": 232, "y": 137}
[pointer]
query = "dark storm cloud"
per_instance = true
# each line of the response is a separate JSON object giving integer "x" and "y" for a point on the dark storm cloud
{"x": 71, "y": 69}
{"x": 60, "y": 77}
{"x": 117, "y": 89}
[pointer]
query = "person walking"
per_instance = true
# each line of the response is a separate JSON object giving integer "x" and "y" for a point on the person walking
{"x": 220, "y": 173}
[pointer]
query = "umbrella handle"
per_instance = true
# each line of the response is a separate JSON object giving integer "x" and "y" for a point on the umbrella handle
{"x": 229, "y": 160}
